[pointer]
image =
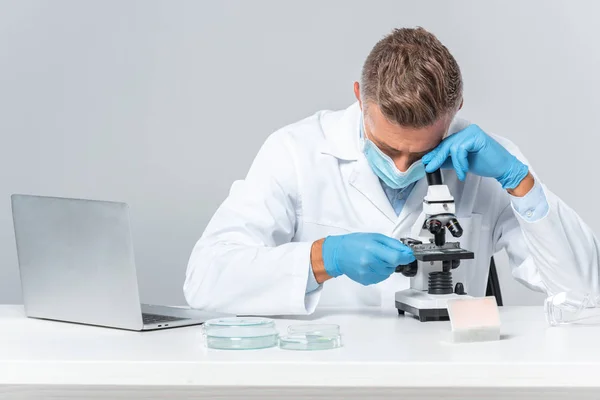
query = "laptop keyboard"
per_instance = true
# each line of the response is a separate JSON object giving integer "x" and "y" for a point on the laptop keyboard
{"x": 157, "y": 319}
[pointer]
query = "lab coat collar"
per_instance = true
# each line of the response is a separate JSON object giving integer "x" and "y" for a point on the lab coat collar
{"x": 342, "y": 139}
{"x": 343, "y": 142}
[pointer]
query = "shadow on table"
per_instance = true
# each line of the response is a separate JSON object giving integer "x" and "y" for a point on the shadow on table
{"x": 374, "y": 312}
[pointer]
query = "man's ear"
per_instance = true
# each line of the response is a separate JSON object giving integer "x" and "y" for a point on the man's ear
{"x": 357, "y": 93}
{"x": 462, "y": 101}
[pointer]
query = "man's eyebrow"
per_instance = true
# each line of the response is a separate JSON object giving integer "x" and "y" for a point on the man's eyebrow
{"x": 383, "y": 145}
{"x": 386, "y": 147}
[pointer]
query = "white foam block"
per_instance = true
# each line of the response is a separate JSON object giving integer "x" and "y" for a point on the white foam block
{"x": 474, "y": 319}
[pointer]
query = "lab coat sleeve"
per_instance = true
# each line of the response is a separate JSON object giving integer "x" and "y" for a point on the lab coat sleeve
{"x": 533, "y": 206}
{"x": 246, "y": 262}
{"x": 312, "y": 283}
{"x": 550, "y": 253}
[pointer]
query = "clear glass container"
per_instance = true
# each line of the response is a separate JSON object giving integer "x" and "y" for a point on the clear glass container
{"x": 311, "y": 337}
{"x": 240, "y": 333}
{"x": 572, "y": 308}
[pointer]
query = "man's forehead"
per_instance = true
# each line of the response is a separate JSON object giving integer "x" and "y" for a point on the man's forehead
{"x": 386, "y": 130}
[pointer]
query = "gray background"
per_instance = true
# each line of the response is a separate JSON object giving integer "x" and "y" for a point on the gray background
{"x": 163, "y": 104}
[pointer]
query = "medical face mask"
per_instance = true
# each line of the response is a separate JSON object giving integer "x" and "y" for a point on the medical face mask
{"x": 383, "y": 166}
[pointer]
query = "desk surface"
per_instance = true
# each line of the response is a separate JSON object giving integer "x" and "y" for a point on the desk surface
{"x": 380, "y": 349}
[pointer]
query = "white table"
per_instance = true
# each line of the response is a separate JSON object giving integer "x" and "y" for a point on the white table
{"x": 383, "y": 356}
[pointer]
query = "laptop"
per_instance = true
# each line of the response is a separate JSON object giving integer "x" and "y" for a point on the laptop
{"x": 76, "y": 262}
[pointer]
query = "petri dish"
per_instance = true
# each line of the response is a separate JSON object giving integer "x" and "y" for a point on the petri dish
{"x": 311, "y": 337}
{"x": 240, "y": 333}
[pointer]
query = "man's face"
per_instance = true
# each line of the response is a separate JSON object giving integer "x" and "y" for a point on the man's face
{"x": 403, "y": 145}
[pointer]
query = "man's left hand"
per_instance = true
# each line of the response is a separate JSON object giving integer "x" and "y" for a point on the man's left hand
{"x": 472, "y": 150}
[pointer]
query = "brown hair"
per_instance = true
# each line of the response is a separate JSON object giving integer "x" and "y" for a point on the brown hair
{"x": 412, "y": 77}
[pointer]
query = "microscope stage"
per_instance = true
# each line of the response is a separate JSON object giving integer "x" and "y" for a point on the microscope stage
{"x": 447, "y": 252}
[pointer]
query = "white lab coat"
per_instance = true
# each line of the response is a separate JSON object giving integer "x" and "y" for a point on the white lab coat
{"x": 310, "y": 180}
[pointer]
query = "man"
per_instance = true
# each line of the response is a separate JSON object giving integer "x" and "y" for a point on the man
{"x": 316, "y": 220}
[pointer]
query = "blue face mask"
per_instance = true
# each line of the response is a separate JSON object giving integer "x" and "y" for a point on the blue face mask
{"x": 383, "y": 166}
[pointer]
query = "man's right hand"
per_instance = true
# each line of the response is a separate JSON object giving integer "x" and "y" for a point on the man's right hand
{"x": 366, "y": 258}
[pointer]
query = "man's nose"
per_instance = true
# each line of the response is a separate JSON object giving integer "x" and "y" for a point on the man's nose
{"x": 403, "y": 163}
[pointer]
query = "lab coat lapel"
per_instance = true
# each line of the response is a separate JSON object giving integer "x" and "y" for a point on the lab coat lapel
{"x": 343, "y": 143}
{"x": 367, "y": 183}
{"x": 413, "y": 205}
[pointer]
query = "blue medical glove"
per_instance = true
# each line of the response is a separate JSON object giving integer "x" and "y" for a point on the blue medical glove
{"x": 366, "y": 258}
{"x": 472, "y": 150}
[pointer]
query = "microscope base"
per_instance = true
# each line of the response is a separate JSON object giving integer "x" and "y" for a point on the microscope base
{"x": 424, "y": 306}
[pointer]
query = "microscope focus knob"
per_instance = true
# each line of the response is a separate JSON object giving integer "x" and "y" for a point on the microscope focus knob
{"x": 408, "y": 270}
{"x": 459, "y": 289}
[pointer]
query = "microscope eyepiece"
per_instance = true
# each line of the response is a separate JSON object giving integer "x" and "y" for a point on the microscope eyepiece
{"x": 454, "y": 227}
{"x": 434, "y": 178}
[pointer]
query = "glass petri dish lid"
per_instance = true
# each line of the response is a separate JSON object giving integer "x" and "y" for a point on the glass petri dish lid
{"x": 240, "y": 333}
{"x": 311, "y": 337}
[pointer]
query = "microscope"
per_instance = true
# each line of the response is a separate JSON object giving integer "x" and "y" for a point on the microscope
{"x": 431, "y": 273}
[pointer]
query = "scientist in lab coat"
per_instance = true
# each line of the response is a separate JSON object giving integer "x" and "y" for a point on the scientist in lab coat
{"x": 316, "y": 220}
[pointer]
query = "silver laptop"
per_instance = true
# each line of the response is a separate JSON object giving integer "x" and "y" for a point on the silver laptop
{"x": 77, "y": 265}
